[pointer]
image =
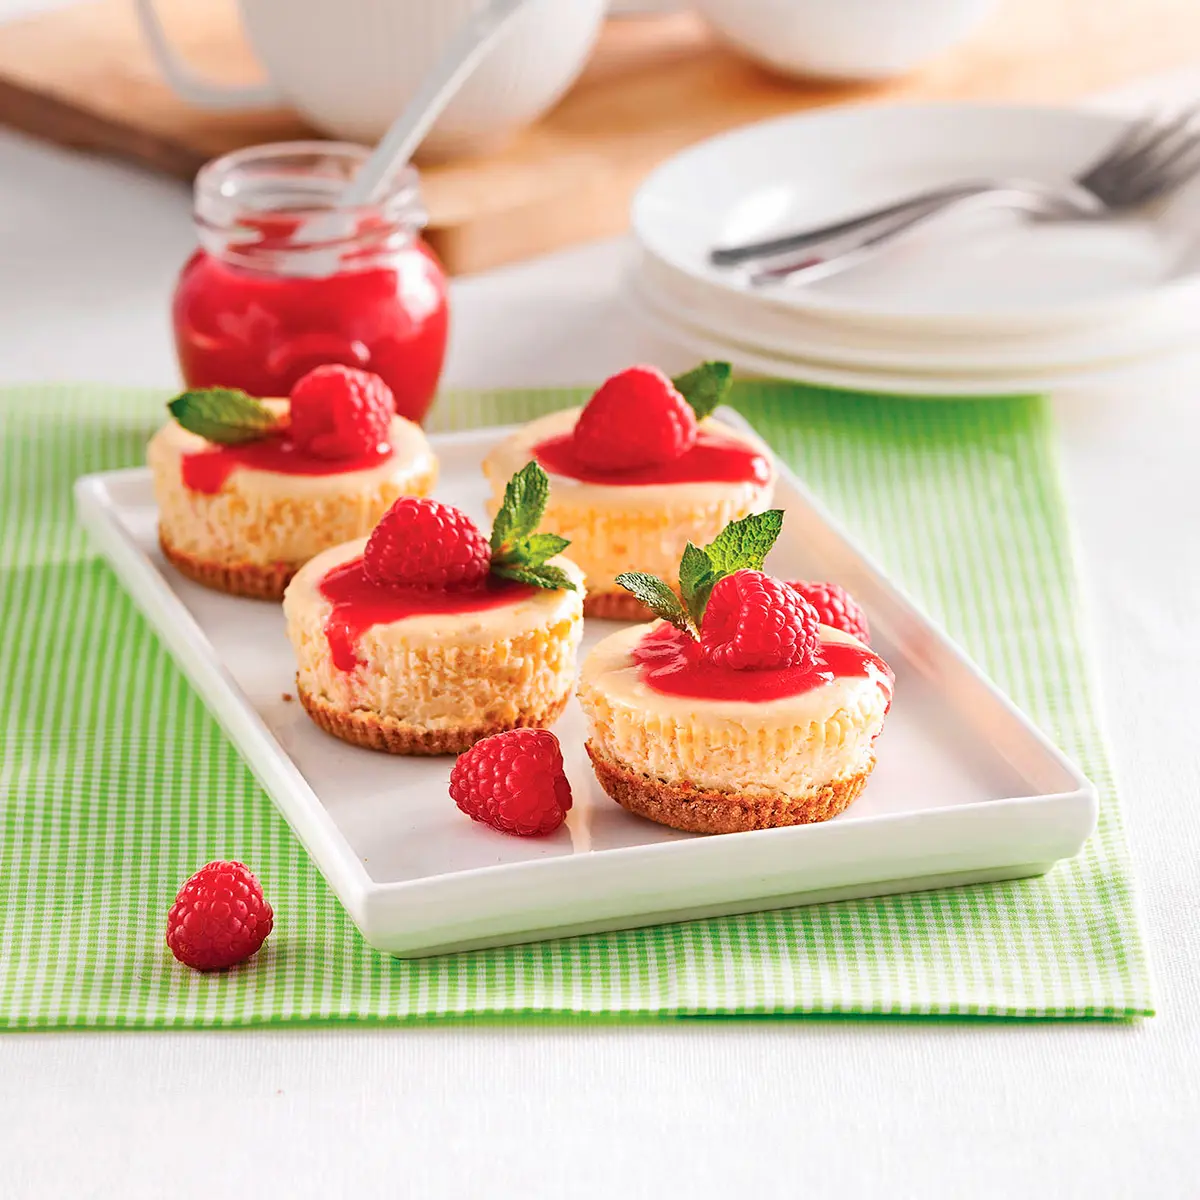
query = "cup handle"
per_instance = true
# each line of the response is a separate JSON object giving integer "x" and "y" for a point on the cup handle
{"x": 187, "y": 84}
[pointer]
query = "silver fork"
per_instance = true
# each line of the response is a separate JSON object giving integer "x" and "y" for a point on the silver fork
{"x": 1151, "y": 159}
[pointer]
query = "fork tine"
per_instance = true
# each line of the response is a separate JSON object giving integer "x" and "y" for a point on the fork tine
{"x": 1134, "y": 131}
{"x": 1169, "y": 175}
{"x": 1149, "y": 173}
{"x": 1168, "y": 154}
{"x": 1144, "y": 154}
{"x": 1116, "y": 152}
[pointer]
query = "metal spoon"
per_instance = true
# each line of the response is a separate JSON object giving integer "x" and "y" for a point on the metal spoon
{"x": 460, "y": 57}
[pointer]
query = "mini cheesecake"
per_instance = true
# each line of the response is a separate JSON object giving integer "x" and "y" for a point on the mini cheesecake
{"x": 748, "y": 706}
{"x": 243, "y": 518}
{"x": 640, "y": 518}
{"x": 712, "y": 750}
{"x": 427, "y": 637}
{"x": 423, "y": 672}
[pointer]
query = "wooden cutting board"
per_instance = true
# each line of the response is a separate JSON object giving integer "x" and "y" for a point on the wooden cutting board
{"x": 81, "y": 76}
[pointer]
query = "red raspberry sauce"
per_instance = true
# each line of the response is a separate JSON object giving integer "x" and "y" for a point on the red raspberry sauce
{"x": 671, "y": 662}
{"x": 715, "y": 458}
{"x": 358, "y": 604}
{"x": 207, "y": 470}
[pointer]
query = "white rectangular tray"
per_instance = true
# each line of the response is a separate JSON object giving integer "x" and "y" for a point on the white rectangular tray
{"x": 966, "y": 789}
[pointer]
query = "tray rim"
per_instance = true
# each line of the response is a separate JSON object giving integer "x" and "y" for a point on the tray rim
{"x": 366, "y": 899}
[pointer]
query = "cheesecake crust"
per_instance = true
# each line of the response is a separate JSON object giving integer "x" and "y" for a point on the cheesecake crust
{"x": 702, "y": 810}
{"x": 374, "y": 731}
{"x": 256, "y": 581}
{"x": 616, "y": 606}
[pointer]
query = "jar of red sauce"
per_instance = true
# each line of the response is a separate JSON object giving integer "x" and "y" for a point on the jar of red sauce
{"x": 286, "y": 279}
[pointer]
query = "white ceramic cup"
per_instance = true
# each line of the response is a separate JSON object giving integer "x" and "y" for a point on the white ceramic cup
{"x": 349, "y": 66}
{"x": 844, "y": 39}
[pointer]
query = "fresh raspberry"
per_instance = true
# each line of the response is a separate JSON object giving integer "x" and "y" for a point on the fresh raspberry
{"x": 754, "y": 622}
{"x": 836, "y": 607}
{"x": 341, "y": 412}
{"x": 424, "y": 543}
{"x": 636, "y": 419}
{"x": 219, "y": 917}
{"x": 513, "y": 782}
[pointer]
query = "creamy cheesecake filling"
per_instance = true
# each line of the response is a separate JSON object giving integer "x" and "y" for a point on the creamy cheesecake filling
{"x": 411, "y": 458}
{"x": 794, "y": 745}
{"x": 641, "y": 527}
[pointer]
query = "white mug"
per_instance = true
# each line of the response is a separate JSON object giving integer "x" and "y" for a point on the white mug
{"x": 349, "y": 66}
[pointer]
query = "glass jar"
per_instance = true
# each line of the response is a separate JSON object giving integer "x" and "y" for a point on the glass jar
{"x": 285, "y": 279}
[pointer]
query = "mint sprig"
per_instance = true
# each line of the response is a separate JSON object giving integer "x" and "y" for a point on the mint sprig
{"x": 696, "y": 580}
{"x": 521, "y": 511}
{"x": 519, "y": 552}
{"x": 741, "y": 545}
{"x": 659, "y": 598}
{"x": 223, "y": 415}
{"x": 547, "y": 576}
{"x": 705, "y": 386}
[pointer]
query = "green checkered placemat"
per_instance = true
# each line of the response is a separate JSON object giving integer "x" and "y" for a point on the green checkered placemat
{"x": 115, "y": 783}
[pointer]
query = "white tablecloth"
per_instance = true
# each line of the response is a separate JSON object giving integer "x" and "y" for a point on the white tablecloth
{"x": 814, "y": 1108}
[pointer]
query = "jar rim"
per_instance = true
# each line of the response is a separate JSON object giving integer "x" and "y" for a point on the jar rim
{"x": 217, "y": 183}
{"x": 276, "y": 207}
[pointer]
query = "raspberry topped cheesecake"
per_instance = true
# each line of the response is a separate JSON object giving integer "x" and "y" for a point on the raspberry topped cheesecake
{"x": 428, "y": 636}
{"x": 741, "y": 708}
{"x": 249, "y": 490}
{"x": 637, "y": 471}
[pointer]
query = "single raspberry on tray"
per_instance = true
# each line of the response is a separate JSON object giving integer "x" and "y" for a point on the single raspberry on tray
{"x": 836, "y": 607}
{"x": 513, "y": 782}
{"x": 636, "y": 419}
{"x": 756, "y": 622}
{"x": 219, "y": 917}
{"x": 424, "y": 543}
{"x": 341, "y": 412}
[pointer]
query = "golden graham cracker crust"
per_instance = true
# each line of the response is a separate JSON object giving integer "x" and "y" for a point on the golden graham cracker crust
{"x": 377, "y": 732}
{"x": 254, "y": 581}
{"x": 615, "y": 606}
{"x": 699, "y": 810}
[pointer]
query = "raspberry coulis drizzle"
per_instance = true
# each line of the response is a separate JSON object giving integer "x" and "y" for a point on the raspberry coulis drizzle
{"x": 714, "y": 458}
{"x": 358, "y": 603}
{"x": 207, "y": 470}
{"x": 673, "y": 663}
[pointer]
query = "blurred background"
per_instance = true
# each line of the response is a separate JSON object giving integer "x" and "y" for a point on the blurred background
{"x": 579, "y": 101}
{"x": 544, "y": 147}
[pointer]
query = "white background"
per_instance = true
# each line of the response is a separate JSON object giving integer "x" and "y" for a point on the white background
{"x": 813, "y": 1108}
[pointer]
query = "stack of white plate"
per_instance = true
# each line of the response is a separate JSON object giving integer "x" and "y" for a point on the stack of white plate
{"x": 985, "y": 304}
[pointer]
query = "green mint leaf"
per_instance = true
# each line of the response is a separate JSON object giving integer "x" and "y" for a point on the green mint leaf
{"x": 533, "y": 550}
{"x": 745, "y": 544}
{"x": 705, "y": 386}
{"x": 741, "y": 545}
{"x": 657, "y": 597}
{"x": 223, "y": 415}
{"x": 545, "y": 576}
{"x": 696, "y": 580}
{"x": 524, "y": 502}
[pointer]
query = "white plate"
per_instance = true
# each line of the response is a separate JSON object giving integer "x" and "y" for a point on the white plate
{"x": 813, "y": 337}
{"x": 989, "y": 272}
{"x": 966, "y": 788}
{"x": 706, "y": 343}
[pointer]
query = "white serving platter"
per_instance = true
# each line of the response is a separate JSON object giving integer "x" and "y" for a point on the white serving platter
{"x": 966, "y": 790}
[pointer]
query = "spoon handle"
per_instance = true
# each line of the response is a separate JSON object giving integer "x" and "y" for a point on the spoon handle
{"x": 457, "y": 61}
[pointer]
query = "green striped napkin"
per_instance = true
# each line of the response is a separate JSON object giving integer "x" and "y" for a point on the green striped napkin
{"x": 115, "y": 783}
